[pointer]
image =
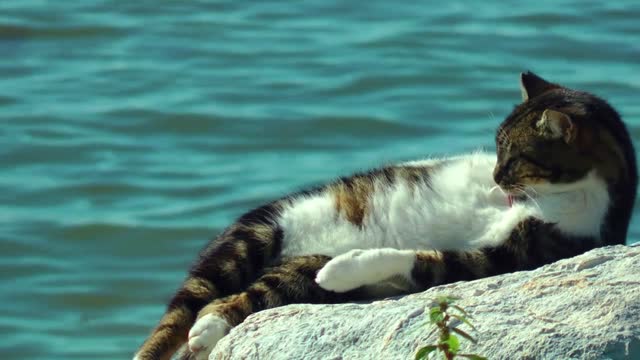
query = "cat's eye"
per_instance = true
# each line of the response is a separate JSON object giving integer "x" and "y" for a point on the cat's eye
{"x": 536, "y": 162}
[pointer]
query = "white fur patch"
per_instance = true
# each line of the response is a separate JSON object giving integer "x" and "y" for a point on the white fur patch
{"x": 578, "y": 208}
{"x": 458, "y": 210}
{"x": 358, "y": 268}
{"x": 205, "y": 334}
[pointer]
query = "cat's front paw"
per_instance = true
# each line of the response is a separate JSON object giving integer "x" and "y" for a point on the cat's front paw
{"x": 345, "y": 272}
{"x": 205, "y": 334}
{"x": 358, "y": 268}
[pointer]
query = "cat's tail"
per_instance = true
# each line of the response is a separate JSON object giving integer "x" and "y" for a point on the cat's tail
{"x": 226, "y": 266}
{"x": 174, "y": 325}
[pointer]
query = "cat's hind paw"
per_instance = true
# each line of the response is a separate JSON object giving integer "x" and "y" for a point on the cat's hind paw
{"x": 205, "y": 334}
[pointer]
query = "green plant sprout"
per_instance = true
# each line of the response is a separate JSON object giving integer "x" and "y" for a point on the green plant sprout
{"x": 448, "y": 343}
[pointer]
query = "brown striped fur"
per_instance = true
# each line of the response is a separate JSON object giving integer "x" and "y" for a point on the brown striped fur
{"x": 240, "y": 254}
{"x": 293, "y": 281}
{"x": 352, "y": 197}
{"x": 531, "y": 244}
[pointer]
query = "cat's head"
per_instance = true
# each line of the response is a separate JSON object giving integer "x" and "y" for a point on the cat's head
{"x": 557, "y": 137}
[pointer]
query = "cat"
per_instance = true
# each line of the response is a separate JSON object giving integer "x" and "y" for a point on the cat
{"x": 563, "y": 181}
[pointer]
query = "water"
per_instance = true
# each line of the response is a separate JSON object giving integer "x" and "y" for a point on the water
{"x": 132, "y": 132}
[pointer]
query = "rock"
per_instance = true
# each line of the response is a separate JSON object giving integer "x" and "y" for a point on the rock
{"x": 587, "y": 307}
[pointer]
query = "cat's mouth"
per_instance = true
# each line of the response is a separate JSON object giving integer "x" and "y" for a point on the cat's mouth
{"x": 512, "y": 198}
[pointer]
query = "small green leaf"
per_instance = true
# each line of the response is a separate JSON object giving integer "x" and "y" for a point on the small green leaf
{"x": 425, "y": 351}
{"x": 465, "y": 335}
{"x": 453, "y": 342}
{"x": 436, "y": 315}
{"x": 472, "y": 356}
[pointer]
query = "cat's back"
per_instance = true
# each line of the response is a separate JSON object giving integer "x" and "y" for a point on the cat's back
{"x": 420, "y": 204}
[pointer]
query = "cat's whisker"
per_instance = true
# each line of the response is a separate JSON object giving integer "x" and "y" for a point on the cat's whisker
{"x": 522, "y": 189}
{"x": 529, "y": 188}
{"x": 490, "y": 130}
{"x": 492, "y": 118}
{"x": 503, "y": 137}
{"x": 533, "y": 196}
{"x": 497, "y": 187}
{"x": 500, "y": 135}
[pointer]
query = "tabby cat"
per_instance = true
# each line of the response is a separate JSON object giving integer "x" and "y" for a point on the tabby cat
{"x": 563, "y": 181}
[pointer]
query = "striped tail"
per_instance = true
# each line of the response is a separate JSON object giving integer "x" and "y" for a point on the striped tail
{"x": 226, "y": 266}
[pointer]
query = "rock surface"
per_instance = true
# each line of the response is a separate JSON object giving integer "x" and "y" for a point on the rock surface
{"x": 587, "y": 307}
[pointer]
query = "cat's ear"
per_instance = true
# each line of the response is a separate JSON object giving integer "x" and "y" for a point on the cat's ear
{"x": 557, "y": 125}
{"x": 532, "y": 85}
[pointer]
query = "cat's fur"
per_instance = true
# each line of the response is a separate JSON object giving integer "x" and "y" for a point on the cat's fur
{"x": 567, "y": 178}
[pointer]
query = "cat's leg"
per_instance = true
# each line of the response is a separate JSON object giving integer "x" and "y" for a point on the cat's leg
{"x": 418, "y": 269}
{"x": 291, "y": 282}
{"x": 227, "y": 266}
{"x": 532, "y": 243}
{"x": 358, "y": 268}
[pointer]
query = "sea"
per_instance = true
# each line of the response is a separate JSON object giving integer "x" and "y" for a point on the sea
{"x": 133, "y": 132}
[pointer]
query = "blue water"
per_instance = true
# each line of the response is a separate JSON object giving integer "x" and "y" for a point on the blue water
{"x": 132, "y": 132}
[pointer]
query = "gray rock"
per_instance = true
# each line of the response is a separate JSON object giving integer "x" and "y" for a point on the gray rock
{"x": 587, "y": 307}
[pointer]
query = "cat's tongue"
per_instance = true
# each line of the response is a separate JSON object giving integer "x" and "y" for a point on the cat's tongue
{"x": 510, "y": 200}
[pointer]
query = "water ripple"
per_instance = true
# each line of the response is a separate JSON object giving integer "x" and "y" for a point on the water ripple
{"x": 133, "y": 132}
